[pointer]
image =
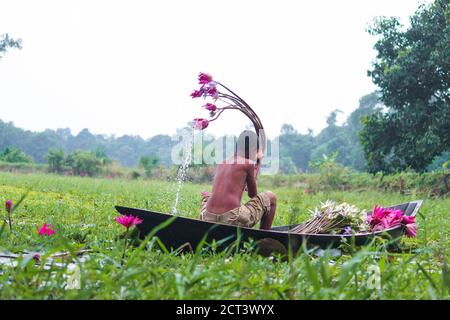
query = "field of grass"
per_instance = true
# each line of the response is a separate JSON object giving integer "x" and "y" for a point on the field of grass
{"x": 82, "y": 212}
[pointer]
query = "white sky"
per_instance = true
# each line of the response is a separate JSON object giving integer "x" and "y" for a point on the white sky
{"x": 128, "y": 67}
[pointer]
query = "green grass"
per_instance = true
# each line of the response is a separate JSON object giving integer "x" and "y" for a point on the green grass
{"x": 82, "y": 212}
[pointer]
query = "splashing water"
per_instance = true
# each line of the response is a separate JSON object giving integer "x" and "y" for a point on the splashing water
{"x": 183, "y": 169}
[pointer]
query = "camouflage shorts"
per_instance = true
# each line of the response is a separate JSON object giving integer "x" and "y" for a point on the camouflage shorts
{"x": 247, "y": 215}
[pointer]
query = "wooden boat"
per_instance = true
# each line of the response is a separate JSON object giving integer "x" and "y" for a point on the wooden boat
{"x": 176, "y": 232}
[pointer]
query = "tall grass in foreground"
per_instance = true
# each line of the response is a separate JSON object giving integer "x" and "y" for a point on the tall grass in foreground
{"x": 81, "y": 210}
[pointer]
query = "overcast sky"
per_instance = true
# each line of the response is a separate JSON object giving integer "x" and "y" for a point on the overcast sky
{"x": 128, "y": 67}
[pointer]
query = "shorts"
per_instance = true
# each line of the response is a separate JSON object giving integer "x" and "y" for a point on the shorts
{"x": 247, "y": 215}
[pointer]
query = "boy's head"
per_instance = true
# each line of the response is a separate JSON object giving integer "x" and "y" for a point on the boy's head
{"x": 247, "y": 144}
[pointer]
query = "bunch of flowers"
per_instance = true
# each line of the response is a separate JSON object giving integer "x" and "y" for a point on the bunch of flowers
{"x": 384, "y": 218}
{"x": 209, "y": 88}
{"x": 334, "y": 218}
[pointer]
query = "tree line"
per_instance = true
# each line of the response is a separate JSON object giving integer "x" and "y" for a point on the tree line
{"x": 405, "y": 125}
{"x": 86, "y": 153}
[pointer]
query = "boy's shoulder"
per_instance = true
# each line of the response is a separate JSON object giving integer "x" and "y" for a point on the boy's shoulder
{"x": 239, "y": 161}
{"x": 239, "y": 164}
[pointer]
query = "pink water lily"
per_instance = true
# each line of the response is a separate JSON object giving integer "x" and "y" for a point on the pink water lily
{"x": 410, "y": 225}
{"x": 392, "y": 219}
{"x": 376, "y": 216}
{"x": 8, "y": 205}
{"x": 197, "y": 93}
{"x": 205, "y": 91}
{"x": 200, "y": 123}
{"x": 208, "y": 87}
{"x": 46, "y": 230}
{"x": 411, "y": 229}
{"x": 384, "y": 218}
{"x": 128, "y": 221}
{"x": 212, "y": 92}
{"x": 408, "y": 219}
{"x": 204, "y": 78}
{"x": 210, "y": 107}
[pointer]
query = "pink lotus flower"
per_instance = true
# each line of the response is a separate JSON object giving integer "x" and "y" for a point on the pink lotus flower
{"x": 206, "y": 90}
{"x": 386, "y": 217}
{"x": 376, "y": 216}
{"x": 200, "y": 123}
{"x": 408, "y": 219}
{"x": 204, "y": 78}
{"x": 208, "y": 87}
{"x": 391, "y": 219}
{"x": 411, "y": 230}
{"x": 8, "y": 205}
{"x": 197, "y": 93}
{"x": 410, "y": 225}
{"x": 210, "y": 107}
{"x": 383, "y": 218}
{"x": 213, "y": 92}
{"x": 46, "y": 230}
{"x": 128, "y": 221}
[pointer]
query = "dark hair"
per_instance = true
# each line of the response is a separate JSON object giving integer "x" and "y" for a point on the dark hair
{"x": 247, "y": 141}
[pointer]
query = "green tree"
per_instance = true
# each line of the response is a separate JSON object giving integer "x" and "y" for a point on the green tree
{"x": 15, "y": 155}
{"x": 295, "y": 149}
{"x": 333, "y": 139}
{"x": 368, "y": 105}
{"x": 149, "y": 164}
{"x": 55, "y": 159}
{"x": 412, "y": 69}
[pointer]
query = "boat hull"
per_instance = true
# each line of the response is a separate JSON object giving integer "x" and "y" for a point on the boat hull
{"x": 180, "y": 232}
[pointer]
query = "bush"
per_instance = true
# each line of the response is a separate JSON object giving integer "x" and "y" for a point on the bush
{"x": 84, "y": 163}
{"x": 331, "y": 174}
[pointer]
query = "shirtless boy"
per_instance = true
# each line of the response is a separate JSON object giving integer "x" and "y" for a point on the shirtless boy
{"x": 232, "y": 177}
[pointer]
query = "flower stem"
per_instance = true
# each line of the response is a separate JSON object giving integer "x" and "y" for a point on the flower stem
{"x": 10, "y": 220}
{"x": 124, "y": 248}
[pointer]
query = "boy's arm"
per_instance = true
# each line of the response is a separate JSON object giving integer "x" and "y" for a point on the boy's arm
{"x": 257, "y": 168}
{"x": 251, "y": 181}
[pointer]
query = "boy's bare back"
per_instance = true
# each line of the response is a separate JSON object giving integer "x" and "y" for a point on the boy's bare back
{"x": 229, "y": 184}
